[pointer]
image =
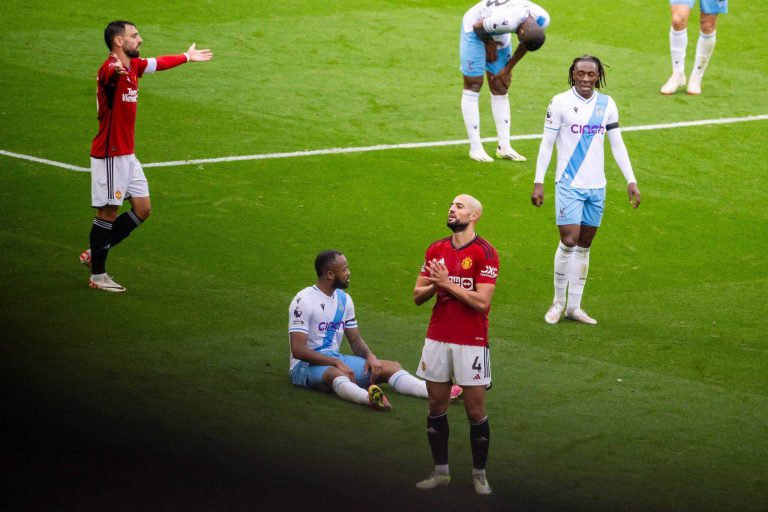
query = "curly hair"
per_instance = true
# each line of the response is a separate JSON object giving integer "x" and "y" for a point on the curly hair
{"x": 588, "y": 58}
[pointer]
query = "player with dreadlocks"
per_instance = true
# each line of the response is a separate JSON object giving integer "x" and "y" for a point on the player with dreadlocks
{"x": 577, "y": 121}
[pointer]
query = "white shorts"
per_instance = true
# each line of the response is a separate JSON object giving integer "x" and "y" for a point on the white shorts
{"x": 465, "y": 365}
{"x": 116, "y": 178}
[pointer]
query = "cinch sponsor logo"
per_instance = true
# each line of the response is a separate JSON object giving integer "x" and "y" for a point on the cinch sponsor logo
{"x": 467, "y": 283}
{"x": 334, "y": 326}
{"x": 132, "y": 96}
{"x": 589, "y": 129}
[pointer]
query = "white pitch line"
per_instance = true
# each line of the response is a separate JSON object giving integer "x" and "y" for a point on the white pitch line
{"x": 382, "y": 147}
{"x": 43, "y": 161}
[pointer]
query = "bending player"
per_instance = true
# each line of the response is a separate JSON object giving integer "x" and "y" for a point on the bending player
{"x": 485, "y": 47}
{"x": 319, "y": 316}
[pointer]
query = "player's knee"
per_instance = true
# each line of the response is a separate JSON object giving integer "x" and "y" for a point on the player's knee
{"x": 679, "y": 21}
{"x": 143, "y": 212}
{"x": 476, "y": 413}
{"x": 394, "y": 366}
{"x": 708, "y": 25}
{"x": 474, "y": 83}
{"x": 569, "y": 240}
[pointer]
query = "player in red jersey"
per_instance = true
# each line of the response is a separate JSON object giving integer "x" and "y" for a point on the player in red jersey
{"x": 461, "y": 271}
{"x": 116, "y": 174}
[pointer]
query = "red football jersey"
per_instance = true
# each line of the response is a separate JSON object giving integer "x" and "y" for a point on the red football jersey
{"x": 453, "y": 321}
{"x": 117, "y": 97}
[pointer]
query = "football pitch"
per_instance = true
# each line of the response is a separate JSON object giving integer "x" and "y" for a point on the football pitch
{"x": 175, "y": 395}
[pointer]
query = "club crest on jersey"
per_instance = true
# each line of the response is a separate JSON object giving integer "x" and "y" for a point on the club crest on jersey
{"x": 490, "y": 271}
{"x": 423, "y": 366}
{"x": 599, "y": 110}
{"x": 466, "y": 263}
{"x": 118, "y": 195}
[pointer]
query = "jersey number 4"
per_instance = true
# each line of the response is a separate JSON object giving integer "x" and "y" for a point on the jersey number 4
{"x": 476, "y": 365}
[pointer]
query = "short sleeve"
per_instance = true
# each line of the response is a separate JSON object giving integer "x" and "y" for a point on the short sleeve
{"x": 504, "y": 21}
{"x": 488, "y": 270}
{"x": 139, "y": 65}
{"x": 350, "y": 319}
{"x": 428, "y": 256}
{"x": 298, "y": 317}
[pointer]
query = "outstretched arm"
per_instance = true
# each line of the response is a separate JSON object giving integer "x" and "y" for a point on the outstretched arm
{"x": 621, "y": 156}
{"x": 195, "y": 55}
{"x": 171, "y": 61}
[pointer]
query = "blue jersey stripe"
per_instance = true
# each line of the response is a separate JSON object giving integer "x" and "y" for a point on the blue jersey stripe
{"x": 580, "y": 153}
{"x": 330, "y": 333}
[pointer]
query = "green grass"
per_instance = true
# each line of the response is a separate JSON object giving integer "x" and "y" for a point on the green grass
{"x": 175, "y": 395}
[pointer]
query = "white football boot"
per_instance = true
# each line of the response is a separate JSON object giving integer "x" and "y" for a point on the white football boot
{"x": 481, "y": 484}
{"x": 675, "y": 81}
{"x": 579, "y": 315}
{"x": 106, "y": 283}
{"x": 434, "y": 480}
{"x": 510, "y": 154}
{"x": 694, "y": 84}
{"x": 554, "y": 313}
{"x": 479, "y": 155}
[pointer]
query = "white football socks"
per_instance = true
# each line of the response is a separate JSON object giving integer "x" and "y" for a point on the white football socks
{"x": 704, "y": 48}
{"x": 407, "y": 384}
{"x": 470, "y": 109}
{"x": 678, "y": 41}
{"x": 563, "y": 257}
{"x": 500, "y": 110}
{"x": 577, "y": 277}
{"x": 350, "y": 391}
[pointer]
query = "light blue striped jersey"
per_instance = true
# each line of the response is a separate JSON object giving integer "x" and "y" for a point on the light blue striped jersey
{"x": 581, "y": 125}
{"x": 322, "y": 318}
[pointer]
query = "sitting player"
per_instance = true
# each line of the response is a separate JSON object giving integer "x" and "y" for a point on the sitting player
{"x": 318, "y": 318}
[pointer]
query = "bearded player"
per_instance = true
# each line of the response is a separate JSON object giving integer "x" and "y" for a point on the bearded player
{"x": 116, "y": 174}
{"x": 461, "y": 272}
{"x": 319, "y": 317}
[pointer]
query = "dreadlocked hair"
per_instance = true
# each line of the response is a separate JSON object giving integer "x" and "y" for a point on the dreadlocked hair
{"x": 588, "y": 58}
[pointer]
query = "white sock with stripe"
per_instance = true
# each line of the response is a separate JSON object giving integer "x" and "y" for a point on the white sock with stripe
{"x": 407, "y": 384}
